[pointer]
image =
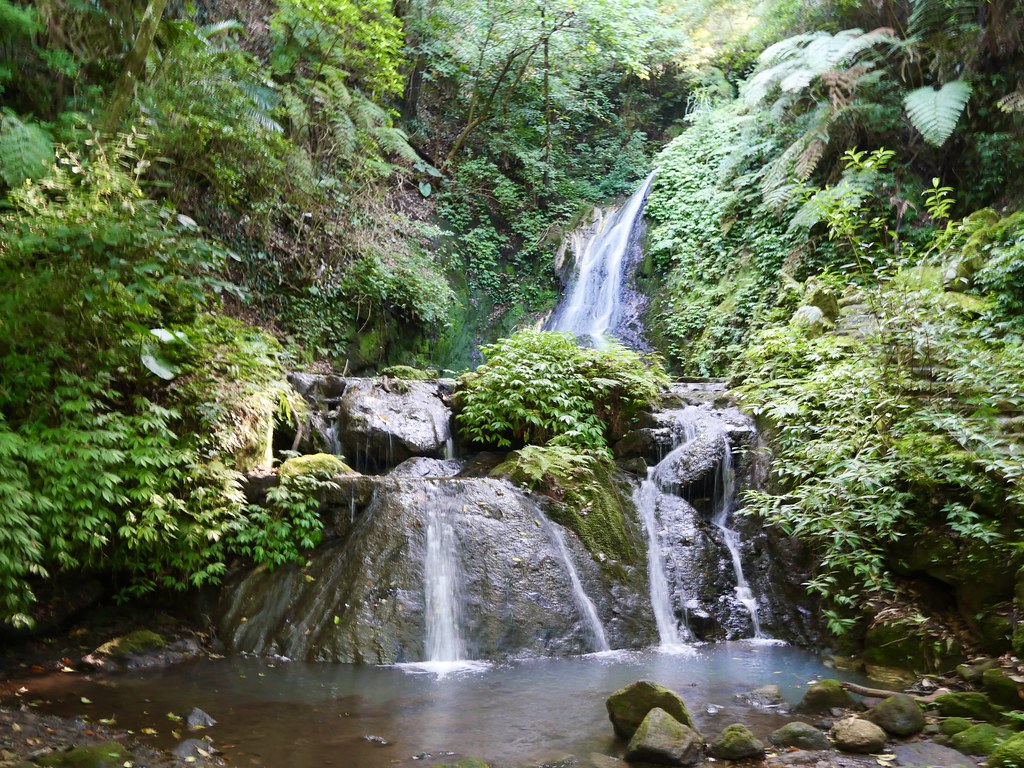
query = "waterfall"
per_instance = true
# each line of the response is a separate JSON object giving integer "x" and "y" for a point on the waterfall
{"x": 726, "y": 482}
{"x": 593, "y": 305}
{"x": 588, "y": 612}
{"x": 670, "y": 632}
{"x": 441, "y": 584}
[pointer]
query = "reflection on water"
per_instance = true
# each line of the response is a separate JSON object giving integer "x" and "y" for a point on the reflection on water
{"x": 273, "y": 713}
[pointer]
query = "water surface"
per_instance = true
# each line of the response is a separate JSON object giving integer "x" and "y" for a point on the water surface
{"x": 279, "y": 713}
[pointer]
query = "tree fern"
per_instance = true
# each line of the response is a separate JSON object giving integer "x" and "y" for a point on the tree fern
{"x": 936, "y": 111}
{"x": 26, "y": 151}
{"x": 1012, "y": 102}
{"x": 796, "y": 62}
{"x": 929, "y": 17}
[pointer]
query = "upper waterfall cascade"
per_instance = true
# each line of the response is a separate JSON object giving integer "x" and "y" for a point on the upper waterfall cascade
{"x": 595, "y": 304}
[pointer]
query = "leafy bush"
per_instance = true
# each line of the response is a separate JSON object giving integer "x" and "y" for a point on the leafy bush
{"x": 540, "y": 387}
{"x": 902, "y": 426}
{"x": 124, "y": 409}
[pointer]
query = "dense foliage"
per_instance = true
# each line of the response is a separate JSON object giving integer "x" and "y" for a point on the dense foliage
{"x": 540, "y": 387}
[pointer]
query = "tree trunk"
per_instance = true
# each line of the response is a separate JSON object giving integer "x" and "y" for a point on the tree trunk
{"x": 134, "y": 64}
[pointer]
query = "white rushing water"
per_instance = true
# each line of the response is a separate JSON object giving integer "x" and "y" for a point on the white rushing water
{"x": 671, "y": 633}
{"x": 593, "y": 302}
{"x": 726, "y": 502}
{"x": 441, "y": 585}
{"x": 588, "y": 612}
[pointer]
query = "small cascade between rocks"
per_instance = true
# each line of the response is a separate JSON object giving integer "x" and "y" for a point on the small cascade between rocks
{"x": 726, "y": 482}
{"x": 588, "y": 611}
{"x": 671, "y": 632}
{"x": 441, "y": 586}
{"x": 596, "y": 303}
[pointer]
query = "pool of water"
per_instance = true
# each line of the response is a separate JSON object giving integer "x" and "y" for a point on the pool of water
{"x": 278, "y": 713}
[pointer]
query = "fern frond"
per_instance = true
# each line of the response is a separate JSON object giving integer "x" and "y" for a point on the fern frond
{"x": 221, "y": 28}
{"x": 808, "y": 160}
{"x": 929, "y": 17}
{"x": 396, "y": 141}
{"x": 1012, "y": 102}
{"x": 26, "y": 151}
{"x": 935, "y": 112}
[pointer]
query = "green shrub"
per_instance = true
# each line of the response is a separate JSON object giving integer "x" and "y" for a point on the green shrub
{"x": 540, "y": 386}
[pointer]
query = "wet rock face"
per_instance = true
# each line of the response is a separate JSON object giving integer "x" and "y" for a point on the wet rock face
{"x": 381, "y": 425}
{"x": 377, "y": 423}
{"x": 362, "y": 598}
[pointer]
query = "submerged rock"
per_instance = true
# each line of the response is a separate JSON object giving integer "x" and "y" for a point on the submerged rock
{"x": 628, "y": 706}
{"x": 824, "y": 696}
{"x": 899, "y": 715}
{"x": 736, "y": 742}
{"x": 663, "y": 740}
{"x": 197, "y": 719}
{"x": 109, "y": 754}
{"x": 856, "y": 735}
{"x": 801, "y": 736}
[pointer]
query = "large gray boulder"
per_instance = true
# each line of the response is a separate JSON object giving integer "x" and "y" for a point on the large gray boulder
{"x": 856, "y": 735}
{"x": 663, "y": 740}
{"x": 899, "y": 715}
{"x": 799, "y": 735}
{"x": 824, "y": 696}
{"x": 361, "y": 598}
{"x": 628, "y": 706}
{"x": 381, "y": 424}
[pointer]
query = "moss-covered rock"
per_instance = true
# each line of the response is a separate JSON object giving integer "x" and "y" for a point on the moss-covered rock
{"x": 856, "y": 735}
{"x": 139, "y": 641}
{"x": 823, "y": 696}
{"x": 315, "y": 463}
{"x": 663, "y": 740}
{"x": 587, "y": 498}
{"x": 973, "y": 671}
{"x": 799, "y": 735}
{"x": 1017, "y": 641}
{"x": 979, "y": 739}
{"x": 628, "y": 706}
{"x": 976, "y": 706}
{"x": 109, "y": 754}
{"x": 466, "y": 762}
{"x": 954, "y": 725}
{"x": 736, "y": 742}
{"x": 1002, "y": 689}
{"x": 902, "y": 644}
{"x": 408, "y": 373}
{"x": 899, "y": 715}
{"x": 1009, "y": 754}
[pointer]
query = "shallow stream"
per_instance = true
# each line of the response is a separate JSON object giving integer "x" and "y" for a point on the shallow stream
{"x": 527, "y": 713}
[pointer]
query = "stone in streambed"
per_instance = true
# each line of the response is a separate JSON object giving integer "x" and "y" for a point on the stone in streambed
{"x": 663, "y": 740}
{"x": 924, "y": 753}
{"x": 856, "y": 735}
{"x": 736, "y": 742}
{"x": 197, "y": 719}
{"x": 801, "y": 736}
{"x": 899, "y": 715}
{"x": 1009, "y": 754}
{"x": 824, "y": 696}
{"x": 466, "y": 762}
{"x": 976, "y": 706}
{"x": 1001, "y": 688}
{"x": 628, "y": 706}
{"x": 979, "y": 739}
{"x": 953, "y": 725}
{"x": 109, "y": 754}
{"x": 972, "y": 672}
